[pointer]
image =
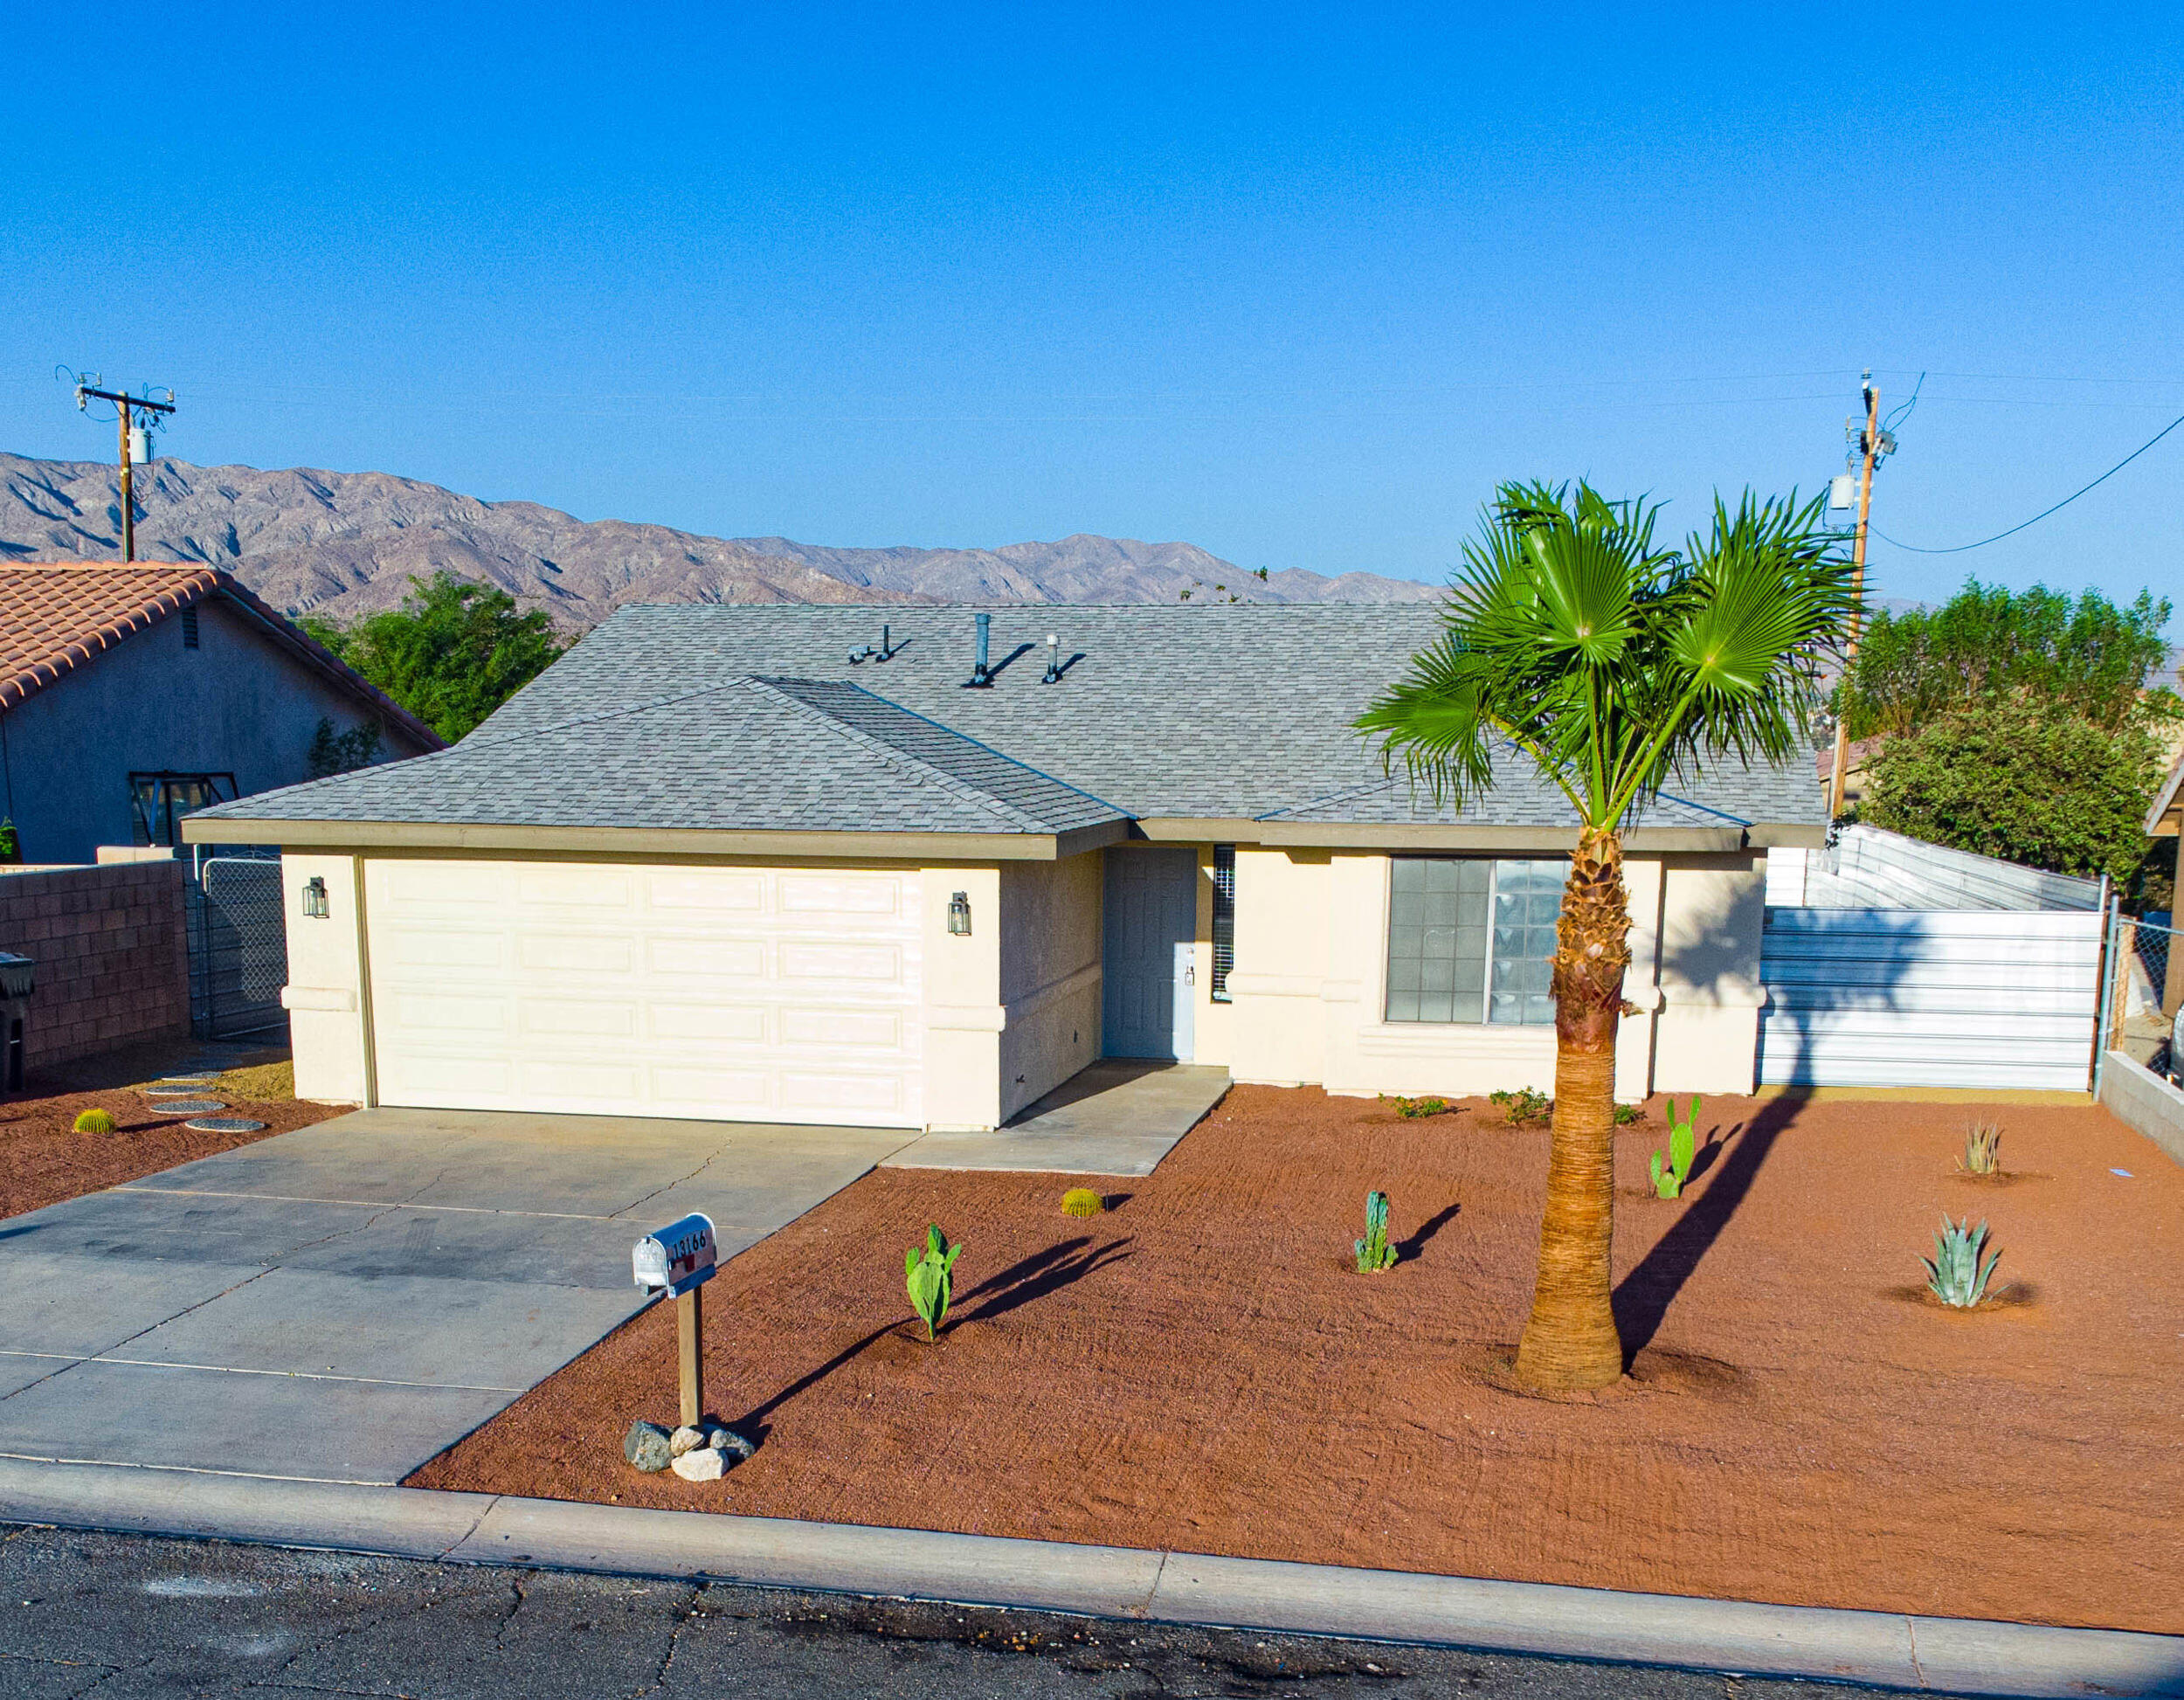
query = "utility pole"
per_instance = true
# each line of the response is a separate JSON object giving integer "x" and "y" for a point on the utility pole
{"x": 1872, "y": 447}
{"x": 124, "y": 404}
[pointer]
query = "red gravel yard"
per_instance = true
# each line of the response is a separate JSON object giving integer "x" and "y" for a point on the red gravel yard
{"x": 1200, "y": 1368}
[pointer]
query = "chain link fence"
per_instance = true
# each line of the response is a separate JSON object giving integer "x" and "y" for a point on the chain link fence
{"x": 2145, "y": 999}
{"x": 238, "y": 942}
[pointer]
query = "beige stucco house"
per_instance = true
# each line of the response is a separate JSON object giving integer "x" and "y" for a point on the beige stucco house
{"x": 917, "y": 867}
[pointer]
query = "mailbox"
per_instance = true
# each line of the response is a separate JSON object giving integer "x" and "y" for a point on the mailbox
{"x": 679, "y": 1257}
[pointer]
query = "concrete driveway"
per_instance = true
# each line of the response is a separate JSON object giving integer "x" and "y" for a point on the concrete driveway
{"x": 341, "y": 1303}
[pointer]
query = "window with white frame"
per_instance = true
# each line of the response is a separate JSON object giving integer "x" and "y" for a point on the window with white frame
{"x": 1470, "y": 939}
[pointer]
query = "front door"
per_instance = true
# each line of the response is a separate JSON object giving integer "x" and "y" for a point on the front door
{"x": 1148, "y": 970}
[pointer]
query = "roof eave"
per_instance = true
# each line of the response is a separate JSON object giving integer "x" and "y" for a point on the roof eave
{"x": 373, "y": 837}
{"x": 1417, "y": 835}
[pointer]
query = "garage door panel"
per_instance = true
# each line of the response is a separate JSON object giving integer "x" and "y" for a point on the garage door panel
{"x": 425, "y": 1017}
{"x": 581, "y": 953}
{"x": 734, "y": 993}
{"x": 720, "y": 1024}
{"x": 847, "y": 1029}
{"x": 574, "y": 886}
{"x": 841, "y": 894}
{"x": 841, "y": 1094}
{"x": 820, "y": 959}
{"x": 577, "y": 1018}
{"x": 724, "y": 958}
{"x": 716, "y": 1091}
{"x": 715, "y": 891}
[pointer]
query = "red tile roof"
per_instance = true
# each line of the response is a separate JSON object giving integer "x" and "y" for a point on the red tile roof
{"x": 56, "y": 617}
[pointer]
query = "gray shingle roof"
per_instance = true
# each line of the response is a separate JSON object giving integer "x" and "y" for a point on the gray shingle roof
{"x": 1238, "y": 710}
{"x": 789, "y": 754}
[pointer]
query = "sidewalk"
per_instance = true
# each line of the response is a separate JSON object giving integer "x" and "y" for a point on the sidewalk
{"x": 1943, "y": 1654}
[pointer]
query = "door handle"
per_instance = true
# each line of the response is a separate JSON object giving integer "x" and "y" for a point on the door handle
{"x": 1191, "y": 974}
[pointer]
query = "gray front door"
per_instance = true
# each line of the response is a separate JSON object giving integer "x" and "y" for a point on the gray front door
{"x": 1151, "y": 919}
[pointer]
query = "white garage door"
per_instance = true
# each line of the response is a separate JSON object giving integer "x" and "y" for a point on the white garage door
{"x": 736, "y": 993}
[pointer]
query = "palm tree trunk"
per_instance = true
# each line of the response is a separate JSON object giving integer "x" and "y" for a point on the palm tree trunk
{"x": 1571, "y": 1341}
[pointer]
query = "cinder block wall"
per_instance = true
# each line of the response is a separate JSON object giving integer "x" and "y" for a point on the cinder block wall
{"x": 112, "y": 954}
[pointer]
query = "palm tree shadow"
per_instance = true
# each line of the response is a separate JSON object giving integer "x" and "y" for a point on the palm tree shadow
{"x": 1642, "y": 1297}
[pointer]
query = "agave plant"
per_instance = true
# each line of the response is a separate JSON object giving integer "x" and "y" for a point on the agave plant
{"x": 1983, "y": 1149}
{"x": 1954, "y": 1272}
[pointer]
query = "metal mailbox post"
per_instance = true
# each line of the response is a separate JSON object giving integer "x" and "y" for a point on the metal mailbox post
{"x": 679, "y": 1259}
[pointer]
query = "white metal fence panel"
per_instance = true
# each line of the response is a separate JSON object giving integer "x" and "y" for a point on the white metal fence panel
{"x": 1869, "y": 869}
{"x": 1863, "y": 996}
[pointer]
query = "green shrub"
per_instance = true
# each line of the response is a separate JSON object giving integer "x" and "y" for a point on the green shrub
{"x": 1524, "y": 1106}
{"x": 1081, "y": 1202}
{"x": 1628, "y": 1116}
{"x": 1668, "y": 1181}
{"x": 1374, "y": 1254}
{"x": 94, "y": 1121}
{"x": 1413, "y": 1107}
{"x": 928, "y": 1273}
{"x": 1953, "y": 1273}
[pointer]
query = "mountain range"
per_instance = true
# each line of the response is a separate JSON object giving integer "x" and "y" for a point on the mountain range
{"x": 344, "y": 544}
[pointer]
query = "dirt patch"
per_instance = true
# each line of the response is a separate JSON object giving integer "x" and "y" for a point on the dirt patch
{"x": 43, "y": 1159}
{"x": 1200, "y": 1371}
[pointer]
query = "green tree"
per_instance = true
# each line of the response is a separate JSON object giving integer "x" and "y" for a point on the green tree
{"x": 451, "y": 654}
{"x": 2089, "y": 657}
{"x": 2024, "y": 780}
{"x": 1610, "y": 662}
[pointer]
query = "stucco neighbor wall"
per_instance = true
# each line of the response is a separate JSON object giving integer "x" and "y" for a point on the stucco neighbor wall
{"x": 1310, "y": 984}
{"x": 239, "y": 703}
{"x": 112, "y": 951}
{"x": 1050, "y": 975}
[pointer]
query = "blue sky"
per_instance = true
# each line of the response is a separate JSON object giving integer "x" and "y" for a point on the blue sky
{"x": 1296, "y": 286}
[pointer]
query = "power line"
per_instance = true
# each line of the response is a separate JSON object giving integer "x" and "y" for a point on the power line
{"x": 1960, "y": 548}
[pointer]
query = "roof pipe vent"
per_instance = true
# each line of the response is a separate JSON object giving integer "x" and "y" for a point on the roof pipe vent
{"x": 981, "y": 674}
{"x": 1052, "y": 675}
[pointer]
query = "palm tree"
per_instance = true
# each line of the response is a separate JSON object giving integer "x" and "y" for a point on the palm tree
{"x": 1611, "y": 663}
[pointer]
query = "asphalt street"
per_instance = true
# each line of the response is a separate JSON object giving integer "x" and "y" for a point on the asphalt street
{"x": 123, "y": 1616}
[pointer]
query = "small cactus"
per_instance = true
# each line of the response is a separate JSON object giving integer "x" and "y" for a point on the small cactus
{"x": 94, "y": 1121}
{"x": 1374, "y": 1254}
{"x": 929, "y": 1274}
{"x": 1081, "y": 1202}
{"x": 1668, "y": 1180}
{"x": 1954, "y": 1274}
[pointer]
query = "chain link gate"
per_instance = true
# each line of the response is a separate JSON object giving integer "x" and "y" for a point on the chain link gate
{"x": 238, "y": 942}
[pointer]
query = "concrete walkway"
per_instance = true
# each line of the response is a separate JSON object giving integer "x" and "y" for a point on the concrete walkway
{"x": 1117, "y": 1117}
{"x": 1949, "y": 1656}
{"x": 341, "y": 1303}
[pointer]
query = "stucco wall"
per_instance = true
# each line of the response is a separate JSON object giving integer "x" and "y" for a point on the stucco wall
{"x": 1309, "y": 985}
{"x": 238, "y": 703}
{"x": 324, "y": 996}
{"x": 1050, "y": 974}
{"x": 111, "y": 954}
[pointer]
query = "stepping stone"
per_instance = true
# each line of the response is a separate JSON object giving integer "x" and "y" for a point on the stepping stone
{"x": 191, "y": 1107}
{"x": 177, "y": 1089}
{"x": 225, "y": 1124}
{"x": 165, "y": 1080}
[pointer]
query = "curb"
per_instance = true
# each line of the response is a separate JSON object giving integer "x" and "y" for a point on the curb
{"x": 1954, "y": 1656}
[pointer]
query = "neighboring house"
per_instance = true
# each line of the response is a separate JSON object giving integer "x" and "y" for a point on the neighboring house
{"x": 794, "y": 864}
{"x": 131, "y": 695}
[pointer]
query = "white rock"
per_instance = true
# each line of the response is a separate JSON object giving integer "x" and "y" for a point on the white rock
{"x": 685, "y": 1439}
{"x": 702, "y": 1465}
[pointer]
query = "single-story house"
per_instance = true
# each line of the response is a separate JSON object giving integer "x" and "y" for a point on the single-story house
{"x": 916, "y": 866}
{"x": 132, "y": 693}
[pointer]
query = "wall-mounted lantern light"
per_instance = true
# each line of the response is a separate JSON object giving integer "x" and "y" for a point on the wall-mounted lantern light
{"x": 959, "y": 913}
{"x": 314, "y": 899}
